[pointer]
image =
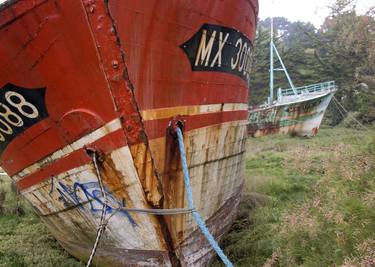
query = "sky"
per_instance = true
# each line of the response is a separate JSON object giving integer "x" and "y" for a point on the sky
{"x": 314, "y": 11}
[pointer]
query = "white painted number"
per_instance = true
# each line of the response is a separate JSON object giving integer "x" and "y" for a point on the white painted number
{"x": 21, "y": 104}
{"x": 5, "y": 128}
{"x": 243, "y": 57}
{"x": 10, "y": 119}
{"x": 8, "y": 115}
{"x": 234, "y": 64}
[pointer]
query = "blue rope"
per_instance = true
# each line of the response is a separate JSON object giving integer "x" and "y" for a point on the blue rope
{"x": 196, "y": 215}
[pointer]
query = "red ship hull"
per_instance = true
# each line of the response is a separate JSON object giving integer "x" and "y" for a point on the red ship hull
{"x": 112, "y": 77}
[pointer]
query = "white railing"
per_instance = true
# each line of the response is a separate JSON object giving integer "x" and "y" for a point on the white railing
{"x": 312, "y": 88}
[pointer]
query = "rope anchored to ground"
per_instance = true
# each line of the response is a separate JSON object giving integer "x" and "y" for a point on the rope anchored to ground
{"x": 342, "y": 109}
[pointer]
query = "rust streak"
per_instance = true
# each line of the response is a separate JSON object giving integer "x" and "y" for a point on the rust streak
{"x": 165, "y": 230}
{"x": 112, "y": 180}
{"x": 130, "y": 85}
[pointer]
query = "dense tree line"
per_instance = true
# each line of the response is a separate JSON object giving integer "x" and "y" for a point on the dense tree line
{"x": 342, "y": 49}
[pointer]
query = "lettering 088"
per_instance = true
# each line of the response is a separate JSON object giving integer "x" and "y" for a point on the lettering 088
{"x": 10, "y": 119}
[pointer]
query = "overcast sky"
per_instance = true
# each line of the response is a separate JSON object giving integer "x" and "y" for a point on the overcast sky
{"x": 313, "y": 11}
{"x": 305, "y": 10}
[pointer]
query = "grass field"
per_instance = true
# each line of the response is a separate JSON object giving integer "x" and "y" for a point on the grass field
{"x": 24, "y": 240}
{"x": 308, "y": 202}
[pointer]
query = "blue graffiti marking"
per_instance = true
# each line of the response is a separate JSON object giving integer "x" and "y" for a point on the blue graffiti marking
{"x": 52, "y": 183}
{"x": 91, "y": 190}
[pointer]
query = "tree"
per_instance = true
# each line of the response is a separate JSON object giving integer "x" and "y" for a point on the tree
{"x": 295, "y": 49}
{"x": 343, "y": 49}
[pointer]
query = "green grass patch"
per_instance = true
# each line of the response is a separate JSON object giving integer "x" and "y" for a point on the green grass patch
{"x": 308, "y": 202}
{"x": 321, "y": 208}
{"x": 24, "y": 239}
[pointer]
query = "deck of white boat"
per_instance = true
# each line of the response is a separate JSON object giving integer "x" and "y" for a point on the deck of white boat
{"x": 303, "y": 93}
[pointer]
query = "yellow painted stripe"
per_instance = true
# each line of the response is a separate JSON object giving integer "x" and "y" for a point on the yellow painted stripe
{"x": 163, "y": 113}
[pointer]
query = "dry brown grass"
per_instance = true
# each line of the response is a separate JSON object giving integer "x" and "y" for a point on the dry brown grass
{"x": 323, "y": 209}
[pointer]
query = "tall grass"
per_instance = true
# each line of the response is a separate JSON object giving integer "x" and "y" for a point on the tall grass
{"x": 308, "y": 202}
{"x": 321, "y": 208}
{"x": 24, "y": 240}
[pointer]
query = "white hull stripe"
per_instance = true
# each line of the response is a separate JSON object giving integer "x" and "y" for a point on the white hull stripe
{"x": 151, "y": 114}
{"x": 80, "y": 143}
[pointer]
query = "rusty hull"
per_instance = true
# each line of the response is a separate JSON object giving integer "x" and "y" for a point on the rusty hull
{"x": 297, "y": 119}
{"x": 112, "y": 76}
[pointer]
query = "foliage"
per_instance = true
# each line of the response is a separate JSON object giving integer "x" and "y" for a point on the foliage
{"x": 343, "y": 49}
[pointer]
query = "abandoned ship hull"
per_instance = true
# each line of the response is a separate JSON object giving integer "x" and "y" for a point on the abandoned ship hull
{"x": 87, "y": 78}
{"x": 301, "y": 118}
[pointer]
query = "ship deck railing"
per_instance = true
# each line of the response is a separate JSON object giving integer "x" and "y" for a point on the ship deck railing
{"x": 303, "y": 91}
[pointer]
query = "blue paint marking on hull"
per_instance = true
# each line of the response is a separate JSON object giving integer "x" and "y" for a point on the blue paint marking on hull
{"x": 92, "y": 194}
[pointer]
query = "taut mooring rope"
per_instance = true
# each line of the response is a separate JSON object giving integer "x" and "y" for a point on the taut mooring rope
{"x": 196, "y": 215}
{"x": 338, "y": 104}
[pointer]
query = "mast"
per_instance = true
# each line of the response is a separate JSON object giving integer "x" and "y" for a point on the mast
{"x": 270, "y": 98}
{"x": 283, "y": 68}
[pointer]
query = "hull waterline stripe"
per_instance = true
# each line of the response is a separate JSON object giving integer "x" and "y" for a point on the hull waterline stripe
{"x": 117, "y": 139}
{"x": 163, "y": 113}
{"x": 78, "y": 158}
{"x": 157, "y": 128}
{"x": 17, "y": 171}
{"x": 62, "y": 152}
